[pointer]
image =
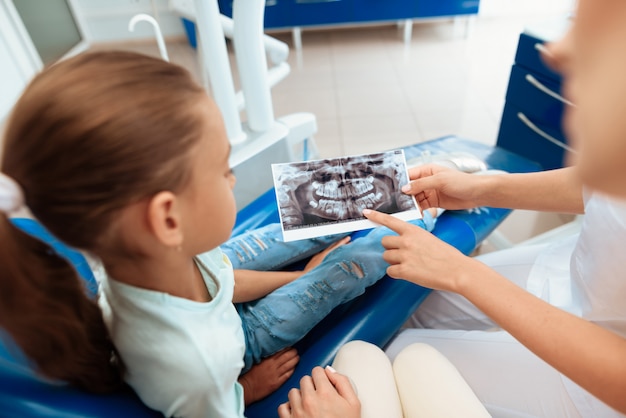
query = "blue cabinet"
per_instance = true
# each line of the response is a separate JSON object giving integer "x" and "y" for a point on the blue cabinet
{"x": 535, "y": 95}
{"x": 292, "y": 14}
{"x": 380, "y": 10}
{"x": 446, "y": 8}
{"x": 302, "y": 13}
{"x": 277, "y": 12}
{"x": 531, "y": 122}
{"x": 320, "y": 12}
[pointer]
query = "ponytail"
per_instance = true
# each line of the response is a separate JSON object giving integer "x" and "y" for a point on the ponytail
{"x": 45, "y": 309}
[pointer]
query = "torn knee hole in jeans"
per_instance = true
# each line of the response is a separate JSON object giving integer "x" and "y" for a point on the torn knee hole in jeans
{"x": 353, "y": 268}
{"x": 265, "y": 318}
{"x": 246, "y": 251}
{"x": 308, "y": 300}
{"x": 262, "y": 244}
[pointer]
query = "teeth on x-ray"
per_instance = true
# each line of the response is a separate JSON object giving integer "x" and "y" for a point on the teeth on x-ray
{"x": 351, "y": 188}
{"x": 369, "y": 201}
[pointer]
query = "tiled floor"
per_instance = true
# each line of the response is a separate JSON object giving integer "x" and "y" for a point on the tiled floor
{"x": 370, "y": 91}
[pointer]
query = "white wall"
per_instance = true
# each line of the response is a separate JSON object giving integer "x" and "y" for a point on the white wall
{"x": 107, "y": 20}
{"x": 494, "y": 8}
{"x": 18, "y": 58}
{"x": 11, "y": 79}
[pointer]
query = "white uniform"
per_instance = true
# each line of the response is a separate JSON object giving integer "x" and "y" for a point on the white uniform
{"x": 583, "y": 274}
{"x": 183, "y": 358}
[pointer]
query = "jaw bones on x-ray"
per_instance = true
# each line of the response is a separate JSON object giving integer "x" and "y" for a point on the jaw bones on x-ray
{"x": 335, "y": 191}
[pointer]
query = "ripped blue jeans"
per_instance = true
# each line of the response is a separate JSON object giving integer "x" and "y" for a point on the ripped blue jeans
{"x": 283, "y": 317}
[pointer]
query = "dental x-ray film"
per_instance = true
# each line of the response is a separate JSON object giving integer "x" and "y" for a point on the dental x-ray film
{"x": 324, "y": 197}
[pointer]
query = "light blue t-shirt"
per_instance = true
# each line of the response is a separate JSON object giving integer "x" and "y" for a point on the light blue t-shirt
{"x": 183, "y": 358}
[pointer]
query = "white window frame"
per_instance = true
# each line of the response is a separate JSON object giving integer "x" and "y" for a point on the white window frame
{"x": 23, "y": 55}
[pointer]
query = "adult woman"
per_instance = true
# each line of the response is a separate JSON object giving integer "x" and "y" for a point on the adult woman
{"x": 549, "y": 362}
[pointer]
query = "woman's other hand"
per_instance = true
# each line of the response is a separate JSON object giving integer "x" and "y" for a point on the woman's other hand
{"x": 435, "y": 186}
{"x": 324, "y": 394}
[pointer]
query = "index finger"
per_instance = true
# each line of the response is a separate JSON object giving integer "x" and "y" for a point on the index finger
{"x": 426, "y": 170}
{"x": 343, "y": 385}
{"x": 320, "y": 379}
{"x": 389, "y": 221}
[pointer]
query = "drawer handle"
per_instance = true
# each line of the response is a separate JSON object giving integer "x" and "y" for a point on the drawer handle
{"x": 542, "y": 49}
{"x": 540, "y": 86}
{"x": 541, "y": 133}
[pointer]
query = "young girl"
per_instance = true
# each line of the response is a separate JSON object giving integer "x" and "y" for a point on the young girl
{"x": 124, "y": 156}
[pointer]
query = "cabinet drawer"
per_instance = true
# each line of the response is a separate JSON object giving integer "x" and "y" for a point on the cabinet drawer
{"x": 320, "y": 12}
{"x": 531, "y": 139}
{"x": 539, "y": 98}
{"x": 277, "y": 13}
{"x": 528, "y": 56}
{"x": 436, "y": 8}
{"x": 377, "y": 10}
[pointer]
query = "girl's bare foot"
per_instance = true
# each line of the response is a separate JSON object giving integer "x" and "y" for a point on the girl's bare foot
{"x": 267, "y": 376}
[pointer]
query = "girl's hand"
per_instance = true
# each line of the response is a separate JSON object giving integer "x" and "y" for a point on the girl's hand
{"x": 435, "y": 186}
{"x": 324, "y": 394}
{"x": 418, "y": 256}
{"x": 319, "y": 257}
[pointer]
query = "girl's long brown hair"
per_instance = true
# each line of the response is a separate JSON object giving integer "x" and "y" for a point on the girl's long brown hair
{"x": 89, "y": 136}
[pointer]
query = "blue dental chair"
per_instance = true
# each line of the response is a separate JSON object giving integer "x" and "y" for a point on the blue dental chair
{"x": 375, "y": 316}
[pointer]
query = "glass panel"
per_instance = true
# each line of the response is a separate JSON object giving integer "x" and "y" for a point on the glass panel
{"x": 51, "y": 26}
